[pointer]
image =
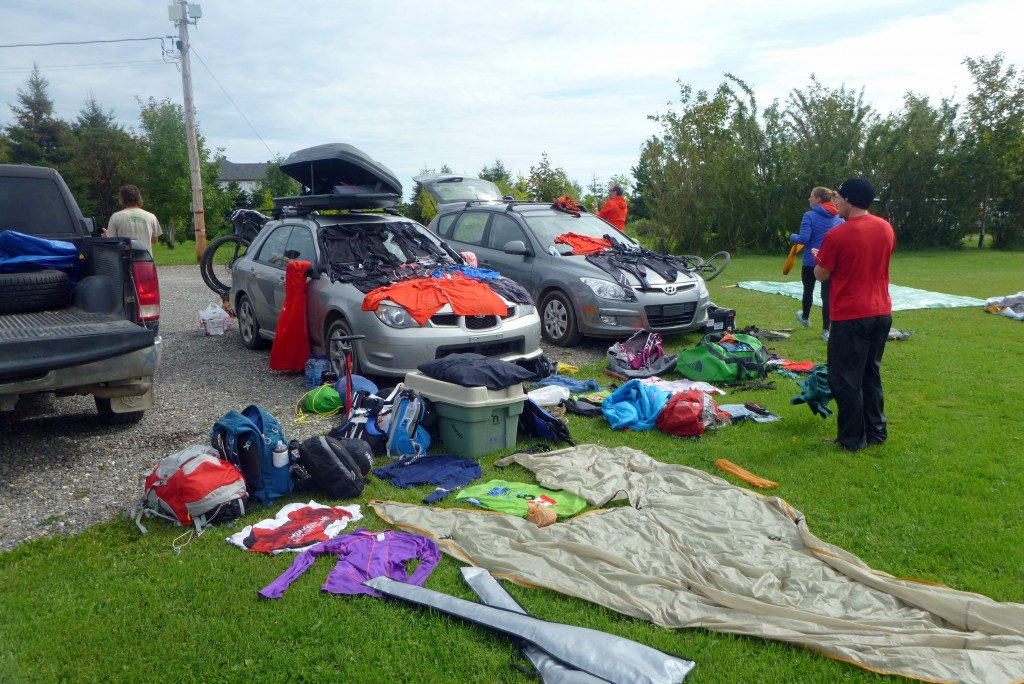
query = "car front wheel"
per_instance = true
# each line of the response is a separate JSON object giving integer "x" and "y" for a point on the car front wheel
{"x": 335, "y": 353}
{"x": 558, "y": 320}
{"x": 248, "y": 326}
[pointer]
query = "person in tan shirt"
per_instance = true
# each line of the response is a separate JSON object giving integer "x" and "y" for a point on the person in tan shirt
{"x": 133, "y": 221}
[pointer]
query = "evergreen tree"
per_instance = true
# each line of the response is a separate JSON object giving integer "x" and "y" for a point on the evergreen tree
{"x": 102, "y": 157}
{"x": 497, "y": 173}
{"x": 36, "y": 137}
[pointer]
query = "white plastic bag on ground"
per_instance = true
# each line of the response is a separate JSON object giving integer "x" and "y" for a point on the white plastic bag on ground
{"x": 549, "y": 396}
{"x": 214, "y": 320}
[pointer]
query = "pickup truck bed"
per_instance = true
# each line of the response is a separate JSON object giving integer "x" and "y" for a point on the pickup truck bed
{"x": 52, "y": 340}
{"x": 99, "y": 338}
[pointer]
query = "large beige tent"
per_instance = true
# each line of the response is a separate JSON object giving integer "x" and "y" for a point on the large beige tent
{"x": 694, "y": 551}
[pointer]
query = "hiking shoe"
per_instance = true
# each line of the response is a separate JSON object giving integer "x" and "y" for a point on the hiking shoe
{"x": 824, "y": 335}
{"x": 801, "y": 320}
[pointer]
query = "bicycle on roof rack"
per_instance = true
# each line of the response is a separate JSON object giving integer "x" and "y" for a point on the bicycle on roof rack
{"x": 220, "y": 255}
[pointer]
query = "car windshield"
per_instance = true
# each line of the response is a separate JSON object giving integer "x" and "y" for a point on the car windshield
{"x": 548, "y": 225}
{"x": 404, "y": 241}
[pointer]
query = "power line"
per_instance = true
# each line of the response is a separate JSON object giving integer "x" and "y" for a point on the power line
{"x": 75, "y": 67}
{"x": 193, "y": 49}
{"x": 82, "y": 42}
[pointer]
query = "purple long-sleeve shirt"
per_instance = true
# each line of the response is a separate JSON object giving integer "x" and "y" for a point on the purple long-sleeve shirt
{"x": 363, "y": 555}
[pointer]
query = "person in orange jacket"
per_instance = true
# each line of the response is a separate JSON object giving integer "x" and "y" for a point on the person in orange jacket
{"x": 615, "y": 209}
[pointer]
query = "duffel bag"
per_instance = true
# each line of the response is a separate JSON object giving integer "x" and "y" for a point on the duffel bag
{"x": 724, "y": 357}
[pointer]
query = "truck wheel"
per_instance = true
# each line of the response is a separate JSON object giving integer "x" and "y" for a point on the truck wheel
{"x": 108, "y": 417}
{"x": 34, "y": 291}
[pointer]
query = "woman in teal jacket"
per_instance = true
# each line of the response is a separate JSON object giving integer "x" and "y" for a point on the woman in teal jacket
{"x": 821, "y": 218}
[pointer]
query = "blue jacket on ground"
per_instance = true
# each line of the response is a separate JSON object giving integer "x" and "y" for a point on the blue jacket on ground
{"x": 815, "y": 223}
{"x": 634, "y": 406}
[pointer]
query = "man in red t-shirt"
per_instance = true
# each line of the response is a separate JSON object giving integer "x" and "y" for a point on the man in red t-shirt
{"x": 615, "y": 209}
{"x": 854, "y": 257}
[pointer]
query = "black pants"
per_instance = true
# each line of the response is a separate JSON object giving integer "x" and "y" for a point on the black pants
{"x": 807, "y": 276}
{"x": 854, "y": 375}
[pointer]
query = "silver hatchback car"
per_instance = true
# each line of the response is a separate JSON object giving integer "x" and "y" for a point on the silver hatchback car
{"x": 354, "y": 253}
{"x": 608, "y": 294}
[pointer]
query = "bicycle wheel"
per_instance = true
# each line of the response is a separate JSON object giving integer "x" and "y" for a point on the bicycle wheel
{"x": 218, "y": 259}
{"x": 714, "y": 265}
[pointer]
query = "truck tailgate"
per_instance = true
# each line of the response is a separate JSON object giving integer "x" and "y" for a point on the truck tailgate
{"x": 36, "y": 343}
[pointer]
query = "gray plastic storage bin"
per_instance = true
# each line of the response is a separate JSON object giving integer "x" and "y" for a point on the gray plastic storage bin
{"x": 472, "y": 421}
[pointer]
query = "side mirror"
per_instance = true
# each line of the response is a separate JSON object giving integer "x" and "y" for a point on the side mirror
{"x": 90, "y": 227}
{"x": 515, "y": 247}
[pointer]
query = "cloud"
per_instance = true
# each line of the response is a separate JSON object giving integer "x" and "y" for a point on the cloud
{"x": 419, "y": 84}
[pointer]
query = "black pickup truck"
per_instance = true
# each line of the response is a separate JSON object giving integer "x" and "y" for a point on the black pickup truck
{"x": 92, "y": 329}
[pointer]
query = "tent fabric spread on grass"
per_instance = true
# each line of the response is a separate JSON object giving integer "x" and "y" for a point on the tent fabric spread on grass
{"x": 693, "y": 550}
{"x": 903, "y": 298}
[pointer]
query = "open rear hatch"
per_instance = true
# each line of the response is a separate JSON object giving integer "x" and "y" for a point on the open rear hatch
{"x": 446, "y": 188}
{"x": 340, "y": 176}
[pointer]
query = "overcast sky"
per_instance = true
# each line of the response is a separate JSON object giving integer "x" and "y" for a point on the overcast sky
{"x": 418, "y": 84}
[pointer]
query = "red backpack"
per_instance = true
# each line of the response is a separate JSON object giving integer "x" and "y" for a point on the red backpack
{"x": 194, "y": 488}
{"x": 689, "y": 413}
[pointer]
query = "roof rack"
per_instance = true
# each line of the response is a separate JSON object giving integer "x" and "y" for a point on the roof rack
{"x": 304, "y": 204}
{"x": 516, "y": 203}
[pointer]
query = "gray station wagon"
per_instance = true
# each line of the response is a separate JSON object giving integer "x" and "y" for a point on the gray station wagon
{"x": 361, "y": 245}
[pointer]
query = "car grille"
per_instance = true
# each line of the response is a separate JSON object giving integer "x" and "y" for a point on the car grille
{"x": 513, "y": 345}
{"x": 670, "y": 315}
{"x": 472, "y": 322}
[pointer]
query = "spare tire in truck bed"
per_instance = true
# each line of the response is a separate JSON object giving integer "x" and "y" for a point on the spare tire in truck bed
{"x": 34, "y": 291}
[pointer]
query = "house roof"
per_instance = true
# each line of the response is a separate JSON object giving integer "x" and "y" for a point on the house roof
{"x": 230, "y": 171}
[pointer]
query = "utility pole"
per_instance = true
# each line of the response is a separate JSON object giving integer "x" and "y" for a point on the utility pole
{"x": 182, "y": 14}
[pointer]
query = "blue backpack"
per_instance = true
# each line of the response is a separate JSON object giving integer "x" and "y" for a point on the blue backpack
{"x": 412, "y": 417}
{"x": 247, "y": 440}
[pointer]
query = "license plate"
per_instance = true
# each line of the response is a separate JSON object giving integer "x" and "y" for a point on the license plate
{"x": 673, "y": 310}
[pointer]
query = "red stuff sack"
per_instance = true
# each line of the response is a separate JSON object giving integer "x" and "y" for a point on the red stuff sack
{"x": 689, "y": 414}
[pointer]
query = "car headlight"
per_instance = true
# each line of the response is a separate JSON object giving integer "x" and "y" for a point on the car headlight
{"x": 395, "y": 316}
{"x": 606, "y": 289}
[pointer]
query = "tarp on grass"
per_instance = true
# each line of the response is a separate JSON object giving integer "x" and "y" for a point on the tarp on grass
{"x": 693, "y": 550}
{"x": 903, "y": 298}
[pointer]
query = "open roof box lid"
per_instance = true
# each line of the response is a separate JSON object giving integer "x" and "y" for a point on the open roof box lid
{"x": 340, "y": 176}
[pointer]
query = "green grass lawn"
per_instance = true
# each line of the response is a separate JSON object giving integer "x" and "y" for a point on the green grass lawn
{"x": 940, "y": 501}
{"x": 183, "y": 254}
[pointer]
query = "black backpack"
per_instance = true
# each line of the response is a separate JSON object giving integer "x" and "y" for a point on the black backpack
{"x": 336, "y": 467}
{"x": 536, "y": 422}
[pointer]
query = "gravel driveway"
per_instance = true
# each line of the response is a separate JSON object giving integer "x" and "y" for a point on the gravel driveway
{"x": 62, "y": 472}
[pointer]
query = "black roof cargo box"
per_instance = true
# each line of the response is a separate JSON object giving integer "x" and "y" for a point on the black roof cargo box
{"x": 339, "y": 168}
